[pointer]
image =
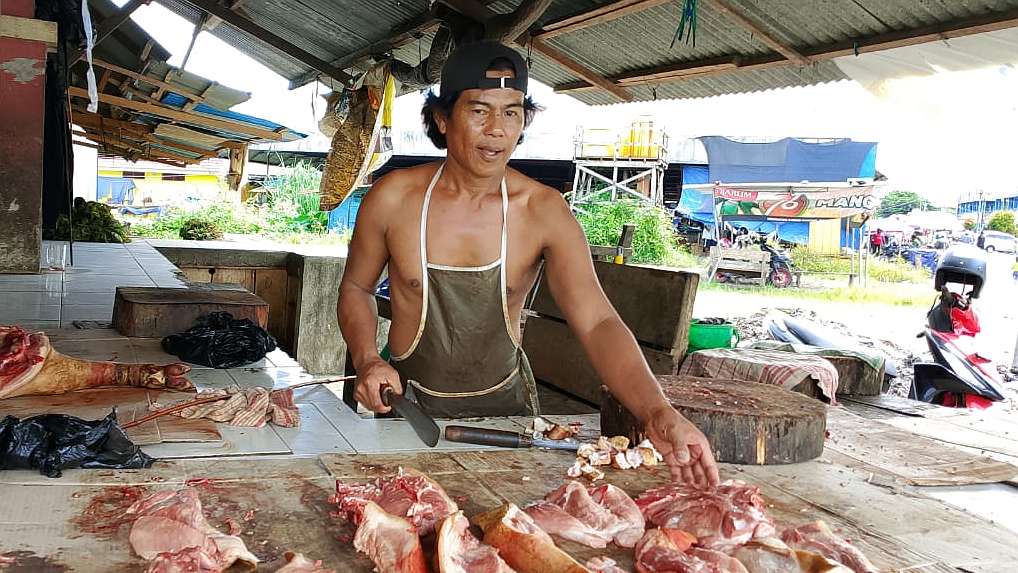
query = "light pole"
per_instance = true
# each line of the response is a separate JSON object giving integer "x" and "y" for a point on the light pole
{"x": 981, "y": 205}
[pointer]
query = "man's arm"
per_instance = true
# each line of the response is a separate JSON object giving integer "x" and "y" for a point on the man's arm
{"x": 612, "y": 348}
{"x": 357, "y": 312}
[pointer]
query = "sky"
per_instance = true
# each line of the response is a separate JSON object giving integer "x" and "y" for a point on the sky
{"x": 941, "y": 135}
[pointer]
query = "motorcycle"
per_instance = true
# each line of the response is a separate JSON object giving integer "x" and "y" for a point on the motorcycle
{"x": 780, "y": 272}
{"x": 958, "y": 376}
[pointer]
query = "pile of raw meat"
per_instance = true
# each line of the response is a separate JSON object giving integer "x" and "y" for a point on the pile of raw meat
{"x": 170, "y": 532}
{"x": 672, "y": 529}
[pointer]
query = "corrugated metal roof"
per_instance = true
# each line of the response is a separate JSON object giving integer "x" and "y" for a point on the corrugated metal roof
{"x": 330, "y": 29}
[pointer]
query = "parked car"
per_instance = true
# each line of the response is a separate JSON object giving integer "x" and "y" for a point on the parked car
{"x": 1002, "y": 242}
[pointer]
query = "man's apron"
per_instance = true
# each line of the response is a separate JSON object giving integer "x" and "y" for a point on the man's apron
{"x": 465, "y": 360}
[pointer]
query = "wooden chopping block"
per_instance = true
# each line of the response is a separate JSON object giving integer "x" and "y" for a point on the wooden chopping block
{"x": 745, "y": 422}
{"x": 855, "y": 377}
{"x": 148, "y": 312}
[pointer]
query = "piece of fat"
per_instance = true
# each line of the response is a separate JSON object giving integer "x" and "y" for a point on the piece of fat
{"x": 620, "y": 461}
{"x": 575, "y": 471}
{"x": 586, "y": 451}
{"x": 600, "y": 458}
{"x": 619, "y": 442}
{"x": 634, "y": 458}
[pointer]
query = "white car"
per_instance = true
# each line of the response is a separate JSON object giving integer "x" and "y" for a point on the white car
{"x": 997, "y": 241}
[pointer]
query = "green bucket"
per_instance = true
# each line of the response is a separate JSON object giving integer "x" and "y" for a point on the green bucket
{"x": 704, "y": 336}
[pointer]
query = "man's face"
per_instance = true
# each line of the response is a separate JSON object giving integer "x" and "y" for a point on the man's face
{"x": 485, "y": 125}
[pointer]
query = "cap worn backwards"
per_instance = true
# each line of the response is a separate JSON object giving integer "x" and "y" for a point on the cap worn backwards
{"x": 467, "y": 68}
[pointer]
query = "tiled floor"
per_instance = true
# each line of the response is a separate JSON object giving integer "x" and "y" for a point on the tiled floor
{"x": 65, "y": 293}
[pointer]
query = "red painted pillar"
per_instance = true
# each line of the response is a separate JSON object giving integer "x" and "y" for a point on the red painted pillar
{"x": 22, "y": 105}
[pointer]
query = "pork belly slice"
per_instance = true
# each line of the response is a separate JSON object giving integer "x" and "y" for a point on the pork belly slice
{"x": 554, "y": 520}
{"x": 664, "y": 551}
{"x": 625, "y": 509}
{"x": 458, "y": 551}
{"x": 409, "y": 494}
{"x": 523, "y": 544}
{"x": 171, "y": 521}
{"x": 390, "y": 541}
{"x": 818, "y": 538}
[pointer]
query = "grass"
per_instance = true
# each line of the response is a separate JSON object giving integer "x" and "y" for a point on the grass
{"x": 896, "y": 295}
{"x": 880, "y": 269}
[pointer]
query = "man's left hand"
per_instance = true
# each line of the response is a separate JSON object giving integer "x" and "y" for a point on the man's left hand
{"x": 684, "y": 447}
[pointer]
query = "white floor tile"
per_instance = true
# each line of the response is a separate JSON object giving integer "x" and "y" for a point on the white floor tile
{"x": 103, "y": 283}
{"x": 210, "y": 379}
{"x": 50, "y": 281}
{"x": 268, "y": 377}
{"x": 280, "y": 358}
{"x": 29, "y": 299}
{"x": 150, "y": 350}
{"x": 15, "y": 312}
{"x": 72, "y": 312}
{"x": 88, "y": 298}
{"x": 236, "y": 442}
{"x": 68, "y": 334}
{"x": 110, "y": 350}
{"x": 35, "y": 325}
{"x": 315, "y": 435}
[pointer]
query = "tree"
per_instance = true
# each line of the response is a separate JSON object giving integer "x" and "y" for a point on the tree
{"x": 1003, "y": 221}
{"x": 901, "y": 203}
{"x": 970, "y": 224}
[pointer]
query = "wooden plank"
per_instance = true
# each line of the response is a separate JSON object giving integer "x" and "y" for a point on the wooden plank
{"x": 596, "y": 16}
{"x": 270, "y": 285}
{"x": 733, "y": 13}
{"x": 579, "y": 69}
{"x": 856, "y": 377}
{"x": 987, "y": 22}
{"x": 196, "y": 275}
{"x": 656, "y": 304}
{"x": 914, "y": 459}
{"x": 242, "y": 277}
{"x": 557, "y": 358}
{"x": 178, "y": 89}
{"x": 28, "y": 29}
{"x": 175, "y": 114}
{"x": 234, "y": 19}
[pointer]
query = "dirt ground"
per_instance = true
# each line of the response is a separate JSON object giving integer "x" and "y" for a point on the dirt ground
{"x": 892, "y": 329}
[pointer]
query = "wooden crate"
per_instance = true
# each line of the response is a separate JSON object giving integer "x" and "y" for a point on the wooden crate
{"x": 656, "y": 304}
{"x": 147, "y": 312}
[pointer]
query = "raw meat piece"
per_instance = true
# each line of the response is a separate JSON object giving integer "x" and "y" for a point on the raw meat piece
{"x": 522, "y": 544}
{"x": 625, "y": 509}
{"x": 604, "y": 565}
{"x": 819, "y": 538}
{"x": 574, "y": 498}
{"x": 297, "y": 563}
{"x": 458, "y": 551}
{"x": 661, "y": 551}
{"x": 770, "y": 554}
{"x": 409, "y": 494}
{"x": 170, "y": 522}
{"x": 554, "y": 520}
{"x": 251, "y": 408}
{"x": 390, "y": 541}
{"x": 29, "y": 365}
{"x": 728, "y": 515}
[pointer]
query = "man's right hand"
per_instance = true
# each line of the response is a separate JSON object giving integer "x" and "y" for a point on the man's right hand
{"x": 370, "y": 380}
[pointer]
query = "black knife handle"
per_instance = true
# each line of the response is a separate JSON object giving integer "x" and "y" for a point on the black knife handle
{"x": 486, "y": 437}
{"x": 386, "y": 392}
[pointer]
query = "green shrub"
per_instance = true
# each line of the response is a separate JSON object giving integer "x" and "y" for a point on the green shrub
{"x": 196, "y": 229}
{"x": 654, "y": 238}
{"x": 90, "y": 221}
{"x": 881, "y": 269}
{"x": 1003, "y": 221}
{"x": 294, "y": 200}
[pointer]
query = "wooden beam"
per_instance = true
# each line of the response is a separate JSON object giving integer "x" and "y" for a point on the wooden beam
{"x": 108, "y": 26}
{"x": 580, "y": 70}
{"x": 104, "y": 79}
{"x": 182, "y": 90}
{"x": 28, "y": 29}
{"x": 733, "y": 13}
{"x": 596, "y": 16}
{"x": 876, "y": 43}
{"x": 177, "y": 115}
{"x": 398, "y": 36}
{"x": 95, "y": 121}
{"x": 507, "y": 27}
{"x": 213, "y": 22}
{"x": 236, "y": 20}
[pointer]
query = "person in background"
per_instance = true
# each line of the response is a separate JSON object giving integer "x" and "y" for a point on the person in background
{"x": 981, "y": 241}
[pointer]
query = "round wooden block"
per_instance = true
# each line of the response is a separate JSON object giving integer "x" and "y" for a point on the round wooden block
{"x": 745, "y": 422}
{"x": 749, "y": 422}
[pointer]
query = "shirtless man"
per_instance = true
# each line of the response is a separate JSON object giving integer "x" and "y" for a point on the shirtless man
{"x": 463, "y": 241}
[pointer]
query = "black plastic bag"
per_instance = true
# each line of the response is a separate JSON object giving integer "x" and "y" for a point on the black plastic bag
{"x": 53, "y": 442}
{"x": 219, "y": 341}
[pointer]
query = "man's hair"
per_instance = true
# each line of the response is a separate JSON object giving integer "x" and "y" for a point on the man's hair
{"x": 434, "y": 103}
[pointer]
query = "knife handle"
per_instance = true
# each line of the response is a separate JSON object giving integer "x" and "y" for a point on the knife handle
{"x": 386, "y": 392}
{"x": 486, "y": 437}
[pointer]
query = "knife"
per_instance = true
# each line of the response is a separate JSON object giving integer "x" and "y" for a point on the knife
{"x": 503, "y": 438}
{"x": 426, "y": 428}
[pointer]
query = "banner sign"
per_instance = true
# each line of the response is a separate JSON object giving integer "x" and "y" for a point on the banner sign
{"x": 796, "y": 203}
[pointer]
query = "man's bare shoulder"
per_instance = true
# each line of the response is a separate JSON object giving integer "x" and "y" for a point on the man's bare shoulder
{"x": 540, "y": 199}
{"x": 401, "y": 184}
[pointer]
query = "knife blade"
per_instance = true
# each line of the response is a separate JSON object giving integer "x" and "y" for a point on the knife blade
{"x": 426, "y": 428}
{"x": 503, "y": 438}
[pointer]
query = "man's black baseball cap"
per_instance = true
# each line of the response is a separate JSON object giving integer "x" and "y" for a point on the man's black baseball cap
{"x": 467, "y": 68}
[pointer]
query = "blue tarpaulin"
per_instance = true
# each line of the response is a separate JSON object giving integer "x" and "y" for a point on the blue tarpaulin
{"x": 344, "y": 216}
{"x": 788, "y": 160}
{"x": 120, "y": 190}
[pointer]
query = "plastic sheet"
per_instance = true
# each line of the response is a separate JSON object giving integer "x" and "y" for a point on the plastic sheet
{"x": 220, "y": 341}
{"x": 54, "y": 442}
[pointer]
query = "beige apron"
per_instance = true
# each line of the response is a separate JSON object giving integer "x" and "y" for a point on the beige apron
{"x": 465, "y": 360}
